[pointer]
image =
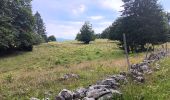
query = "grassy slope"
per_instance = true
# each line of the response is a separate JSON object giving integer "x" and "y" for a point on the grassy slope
{"x": 157, "y": 86}
{"x": 24, "y": 75}
{"x": 31, "y": 74}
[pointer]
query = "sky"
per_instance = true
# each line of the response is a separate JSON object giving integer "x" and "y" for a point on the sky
{"x": 64, "y": 18}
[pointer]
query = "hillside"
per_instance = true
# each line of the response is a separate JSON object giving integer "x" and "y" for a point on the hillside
{"x": 32, "y": 74}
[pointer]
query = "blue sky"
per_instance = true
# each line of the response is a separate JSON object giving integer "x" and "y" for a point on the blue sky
{"x": 64, "y": 18}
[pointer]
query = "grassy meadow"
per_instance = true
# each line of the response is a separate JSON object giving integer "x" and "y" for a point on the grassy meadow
{"x": 156, "y": 87}
{"x": 32, "y": 74}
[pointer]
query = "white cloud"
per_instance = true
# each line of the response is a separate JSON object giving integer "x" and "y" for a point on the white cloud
{"x": 101, "y": 26}
{"x": 96, "y": 17}
{"x": 112, "y": 4}
{"x": 81, "y": 9}
{"x": 66, "y": 30}
{"x": 64, "y": 18}
{"x": 69, "y": 30}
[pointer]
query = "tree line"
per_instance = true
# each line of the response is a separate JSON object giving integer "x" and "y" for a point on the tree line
{"x": 20, "y": 29}
{"x": 143, "y": 22}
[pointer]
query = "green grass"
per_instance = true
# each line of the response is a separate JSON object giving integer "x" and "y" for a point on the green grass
{"x": 53, "y": 54}
{"x": 156, "y": 87}
{"x": 30, "y": 74}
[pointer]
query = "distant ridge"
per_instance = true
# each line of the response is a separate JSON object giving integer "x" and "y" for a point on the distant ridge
{"x": 62, "y": 39}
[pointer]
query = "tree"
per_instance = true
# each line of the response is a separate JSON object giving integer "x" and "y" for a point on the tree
{"x": 51, "y": 38}
{"x": 17, "y": 26}
{"x": 168, "y": 17}
{"x": 16, "y": 23}
{"x": 39, "y": 27}
{"x": 98, "y": 36}
{"x": 77, "y": 36}
{"x": 86, "y": 33}
{"x": 143, "y": 21}
{"x": 105, "y": 33}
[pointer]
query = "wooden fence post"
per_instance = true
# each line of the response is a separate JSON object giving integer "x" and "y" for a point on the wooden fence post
{"x": 126, "y": 52}
{"x": 166, "y": 48}
{"x": 147, "y": 52}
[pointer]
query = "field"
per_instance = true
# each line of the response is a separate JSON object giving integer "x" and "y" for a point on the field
{"x": 32, "y": 74}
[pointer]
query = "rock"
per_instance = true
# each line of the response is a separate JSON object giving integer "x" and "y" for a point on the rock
{"x": 123, "y": 73}
{"x": 86, "y": 98}
{"x": 116, "y": 92}
{"x": 140, "y": 79}
{"x": 97, "y": 93}
{"x": 114, "y": 95}
{"x": 99, "y": 87}
{"x": 76, "y": 95}
{"x": 69, "y": 76}
{"x": 157, "y": 66}
{"x": 59, "y": 98}
{"x": 66, "y": 94}
{"x": 144, "y": 68}
{"x": 47, "y": 94}
{"x": 110, "y": 82}
{"x": 46, "y": 99}
{"x": 106, "y": 97}
{"x": 120, "y": 78}
{"x": 80, "y": 93}
{"x": 134, "y": 72}
{"x": 34, "y": 98}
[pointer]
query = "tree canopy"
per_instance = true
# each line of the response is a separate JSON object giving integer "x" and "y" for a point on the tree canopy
{"x": 143, "y": 21}
{"x": 51, "y": 38}
{"x": 16, "y": 26}
{"x": 86, "y": 33}
{"x": 39, "y": 27}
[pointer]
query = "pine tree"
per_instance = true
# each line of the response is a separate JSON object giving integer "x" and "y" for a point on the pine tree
{"x": 86, "y": 33}
{"x": 39, "y": 26}
{"x": 143, "y": 21}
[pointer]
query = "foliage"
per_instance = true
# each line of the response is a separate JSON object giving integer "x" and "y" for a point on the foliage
{"x": 39, "y": 27}
{"x": 86, "y": 33}
{"x": 143, "y": 21}
{"x": 105, "y": 33}
{"x": 16, "y": 23}
{"x": 17, "y": 26}
{"x": 98, "y": 36}
{"x": 51, "y": 38}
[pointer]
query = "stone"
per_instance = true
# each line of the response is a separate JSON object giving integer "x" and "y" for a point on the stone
{"x": 134, "y": 72}
{"x": 120, "y": 78}
{"x": 109, "y": 96}
{"x": 99, "y": 87}
{"x": 34, "y": 98}
{"x": 157, "y": 66}
{"x": 140, "y": 79}
{"x": 123, "y": 73}
{"x": 144, "y": 68}
{"x": 80, "y": 93}
{"x": 106, "y": 97}
{"x": 46, "y": 99}
{"x": 59, "y": 98}
{"x": 110, "y": 82}
{"x": 66, "y": 94}
{"x": 70, "y": 76}
{"x": 97, "y": 93}
{"x": 86, "y": 98}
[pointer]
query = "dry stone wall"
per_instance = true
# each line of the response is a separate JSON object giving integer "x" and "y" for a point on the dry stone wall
{"x": 108, "y": 89}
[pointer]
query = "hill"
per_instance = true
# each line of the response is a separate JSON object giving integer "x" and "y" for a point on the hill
{"x": 62, "y": 40}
